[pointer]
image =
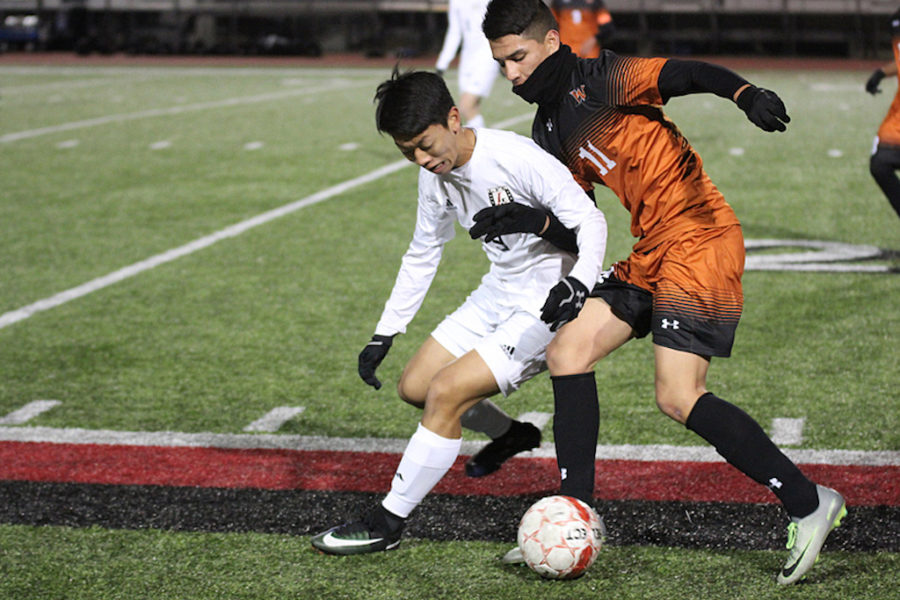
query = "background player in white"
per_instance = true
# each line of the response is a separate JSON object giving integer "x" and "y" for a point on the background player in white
{"x": 477, "y": 68}
{"x": 496, "y": 340}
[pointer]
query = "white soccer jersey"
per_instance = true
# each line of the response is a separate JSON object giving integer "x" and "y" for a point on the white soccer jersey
{"x": 477, "y": 68}
{"x": 504, "y": 167}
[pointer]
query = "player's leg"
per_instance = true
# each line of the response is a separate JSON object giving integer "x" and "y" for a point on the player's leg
{"x": 508, "y": 436}
{"x": 696, "y": 307}
{"x": 571, "y": 358}
{"x": 470, "y": 108}
{"x": 428, "y": 456}
{"x": 883, "y": 165}
{"x": 814, "y": 510}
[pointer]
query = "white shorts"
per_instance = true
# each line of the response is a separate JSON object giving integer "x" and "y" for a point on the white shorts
{"x": 477, "y": 75}
{"x": 512, "y": 342}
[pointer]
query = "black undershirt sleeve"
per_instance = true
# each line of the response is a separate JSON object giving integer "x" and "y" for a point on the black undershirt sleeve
{"x": 683, "y": 77}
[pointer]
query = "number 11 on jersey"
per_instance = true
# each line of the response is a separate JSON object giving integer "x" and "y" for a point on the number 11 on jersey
{"x": 603, "y": 163}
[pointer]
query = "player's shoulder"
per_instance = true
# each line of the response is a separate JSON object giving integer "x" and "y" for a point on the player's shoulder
{"x": 505, "y": 146}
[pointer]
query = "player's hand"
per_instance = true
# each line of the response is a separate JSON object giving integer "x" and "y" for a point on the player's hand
{"x": 764, "y": 109}
{"x": 494, "y": 221}
{"x": 371, "y": 357}
{"x": 564, "y": 302}
{"x": 874, "y": 81}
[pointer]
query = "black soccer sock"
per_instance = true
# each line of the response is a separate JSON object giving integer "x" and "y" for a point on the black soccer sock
{"x": 576, "y": 424}
{"x": 744, "y": 444}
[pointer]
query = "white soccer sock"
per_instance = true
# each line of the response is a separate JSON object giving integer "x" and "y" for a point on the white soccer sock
{"x": 487, "y": 418}
{"x": 426, "y": 459}
{"x": 477, "y": 122}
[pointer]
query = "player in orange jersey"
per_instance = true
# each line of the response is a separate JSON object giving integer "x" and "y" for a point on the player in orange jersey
{"x": 885, "y": 158}
{"x": 682, "y": 281}
{"x": 586, "y": 26}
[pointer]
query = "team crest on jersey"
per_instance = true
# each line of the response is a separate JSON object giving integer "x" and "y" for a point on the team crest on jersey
{"x": 579, "y": 94}
{"x": 500, "y": 195}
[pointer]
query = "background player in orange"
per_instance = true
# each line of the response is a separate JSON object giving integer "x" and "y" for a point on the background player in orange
{"x": 885, "y": 158}
{"x": 586, "y": 26}
{"x": 682, "y": 282}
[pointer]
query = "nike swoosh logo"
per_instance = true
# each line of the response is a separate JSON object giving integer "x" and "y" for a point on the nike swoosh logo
{"x": 787, "y": 572}
{"x": 336, "y": 542}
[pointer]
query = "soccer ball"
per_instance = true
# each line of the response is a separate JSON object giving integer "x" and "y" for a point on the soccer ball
{"x": 560, "y": 537}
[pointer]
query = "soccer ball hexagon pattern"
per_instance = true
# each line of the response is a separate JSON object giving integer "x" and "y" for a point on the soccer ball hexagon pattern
{"x": 560, "y": 537}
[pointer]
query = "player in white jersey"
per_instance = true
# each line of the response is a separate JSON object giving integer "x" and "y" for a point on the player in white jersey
{"x": 477, "y": 68}
{"x": 496, "y": 340}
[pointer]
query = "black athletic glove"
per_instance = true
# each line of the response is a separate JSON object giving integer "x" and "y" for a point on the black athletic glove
{"x": 564, "y": 302}
{"x": 371, "y": 357}
{"x": 764, "y": 109}
{"x": 494, "y": 221}
{"x": 874, "y": 81}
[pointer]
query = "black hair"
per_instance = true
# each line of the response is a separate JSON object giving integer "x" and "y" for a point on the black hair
{"x": 531, "y": 19}
{"x": 409, "y": 103}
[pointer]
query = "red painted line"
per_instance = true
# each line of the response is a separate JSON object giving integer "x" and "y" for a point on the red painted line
{"x": 372, "y": 472}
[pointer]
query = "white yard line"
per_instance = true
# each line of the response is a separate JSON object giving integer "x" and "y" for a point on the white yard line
{"x": 84, "y": 289}
{"x": 175, "y": 110}
{"x": 274, "y": 419}
{"x": 28, "y": 412}
{"x": 265, "y": 441}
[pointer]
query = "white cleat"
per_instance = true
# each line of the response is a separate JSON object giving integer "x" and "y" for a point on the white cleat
{"x": 807, "y": 535}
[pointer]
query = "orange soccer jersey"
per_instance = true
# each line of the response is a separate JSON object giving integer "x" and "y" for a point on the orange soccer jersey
{"x": 889, "y": 132}
{"x": 612, "y": 130}
{"x": 579, "y": 21}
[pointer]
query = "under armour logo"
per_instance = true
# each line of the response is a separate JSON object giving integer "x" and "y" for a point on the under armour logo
{"x": 549, "y": 125}
{"x": 563, "y": 473}
{"x": 667, "y": 323}
{"x": 774, "y": 483}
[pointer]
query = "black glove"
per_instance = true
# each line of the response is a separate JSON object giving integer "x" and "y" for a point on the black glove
{"x": 512, "y": 217}
{"x": 371, "y": 357}
{"x": 874, "y": 81}
{"x": 764, "y": 109}
{"x": 564, "y": 302}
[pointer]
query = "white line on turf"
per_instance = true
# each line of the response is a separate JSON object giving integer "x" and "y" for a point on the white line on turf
{"x": 787, "y": 432}
{"x": 175, "y": 110}
{"x": 274, "y": 419}
{"x": 28, "y": 412}
{"x": 266, "y": 441}
{"x": 20, "y": 314}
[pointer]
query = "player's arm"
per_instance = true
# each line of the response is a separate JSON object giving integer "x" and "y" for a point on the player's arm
{"x": 452, "y": 40}
{"x": 417, "y": 270}
{"x": 874, "y": 81}
{"x": 682, "y": 77}
{"x": 495, "y": 221}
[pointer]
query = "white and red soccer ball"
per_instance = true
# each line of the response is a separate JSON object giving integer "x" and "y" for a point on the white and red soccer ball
{"x": 560, "y": 537}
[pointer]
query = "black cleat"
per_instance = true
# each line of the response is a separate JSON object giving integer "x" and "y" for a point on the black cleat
{"x": 520, "y": 437}
{"x": 376, "y": 532}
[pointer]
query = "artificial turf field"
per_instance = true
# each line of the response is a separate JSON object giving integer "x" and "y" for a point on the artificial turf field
{"x": 187, "y": 248}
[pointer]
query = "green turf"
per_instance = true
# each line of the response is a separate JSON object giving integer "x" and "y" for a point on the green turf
{"x": 277, "y": 316}
{"x": 42, "y": 563}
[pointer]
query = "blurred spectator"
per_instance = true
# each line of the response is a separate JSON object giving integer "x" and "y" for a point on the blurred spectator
{"x": 885, "y": 158}
{"x": 585, "y": 26}
{"x": 477, "y": 69}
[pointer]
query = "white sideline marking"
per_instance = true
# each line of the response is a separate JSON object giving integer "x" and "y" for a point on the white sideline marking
{"x": 28, "y": 412}
{"x": 538, "y": 419}
{"x": 274, "y": 419}
{"x": 173, "y": 110}
{"x": 84, "y": 289}
{"x": 160, "y": 145}
{"x": 267, "y": 441}
{"x": 787, "y": 432}
{"x": 20, "y": 314}
{"x": 253, "y": 145}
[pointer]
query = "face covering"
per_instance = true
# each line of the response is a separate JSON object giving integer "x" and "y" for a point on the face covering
{"x": 548, "y": 78}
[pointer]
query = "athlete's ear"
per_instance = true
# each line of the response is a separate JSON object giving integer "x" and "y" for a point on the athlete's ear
{"x": 552, "y": 41}
{"x": 454, "y": 121}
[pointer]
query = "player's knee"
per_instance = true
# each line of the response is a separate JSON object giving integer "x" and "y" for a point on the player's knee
{"x": 879, "y": 167}
{"x": 566, "y": 358}
{"x": 676, "y": 404}
{"x": 410, "y": 393}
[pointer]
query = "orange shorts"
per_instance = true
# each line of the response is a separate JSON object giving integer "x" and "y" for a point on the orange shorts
{"x": 686, "y": 291}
